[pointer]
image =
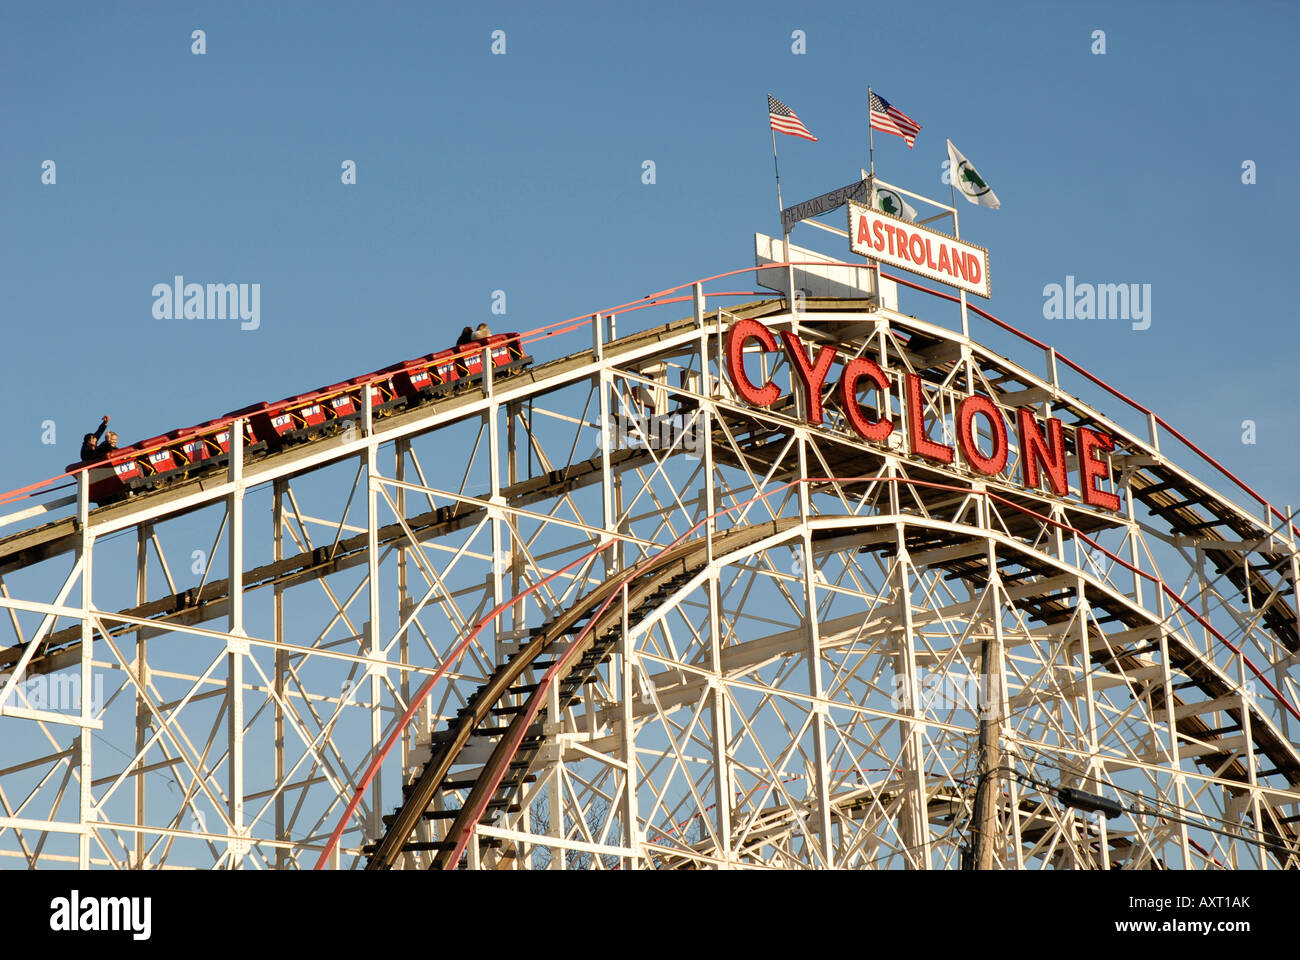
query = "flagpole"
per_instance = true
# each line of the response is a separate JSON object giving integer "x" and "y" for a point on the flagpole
{"x": 871, "y": 140}
{"x": 780, "y": 208}
{"x": 871, "y": 191}
{"x": 965, "y": 318}
{"x": 952, "y": 193}
{"x": 777, "y": 167}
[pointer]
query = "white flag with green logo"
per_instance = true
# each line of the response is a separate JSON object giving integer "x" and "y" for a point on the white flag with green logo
{"x": 891, "y": 202}
{"x": 968, "y": 181}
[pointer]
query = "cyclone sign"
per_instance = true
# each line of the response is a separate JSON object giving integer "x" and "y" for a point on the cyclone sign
{"x": 1043, "y": 456}
{"x": 934, "y": 255}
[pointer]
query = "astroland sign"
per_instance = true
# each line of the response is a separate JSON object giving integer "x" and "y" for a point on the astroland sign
{"x": 934, "y": 255}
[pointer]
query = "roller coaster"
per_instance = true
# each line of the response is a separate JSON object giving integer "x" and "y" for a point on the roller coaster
{"x": 600, "y": 610}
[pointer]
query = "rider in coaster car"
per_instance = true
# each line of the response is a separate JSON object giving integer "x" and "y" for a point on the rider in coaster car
{"x": 88, "y": 442}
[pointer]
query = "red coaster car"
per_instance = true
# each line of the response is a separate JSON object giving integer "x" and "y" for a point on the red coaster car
{"x": 505, "y": 349}
{"x": 308, "y": 420}
{"x": 383, "y": 396}
{"x": 269, "y": 428}
{"x": 413, "y": 381}
{"x": 342, "y": 404}
{"x": 159, "y": 462}
{"x": 216, "y": 433}
{"x": 194, "y": 449}
{"x": 444, "y": 370}
{"x": 207, "y": 446}
{"x": 508, "y": 351}
{"x": 469, "y": 363}
{"x": 113, "y": 480}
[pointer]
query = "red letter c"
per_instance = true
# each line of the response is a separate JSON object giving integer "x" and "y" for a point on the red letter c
{"x": 741, "y": 331}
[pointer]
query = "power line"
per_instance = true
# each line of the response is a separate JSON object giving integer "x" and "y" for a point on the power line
{"x": 1149, "y": 806}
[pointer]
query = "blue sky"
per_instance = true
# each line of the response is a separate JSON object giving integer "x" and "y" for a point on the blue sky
{"x": 522, "y": 173}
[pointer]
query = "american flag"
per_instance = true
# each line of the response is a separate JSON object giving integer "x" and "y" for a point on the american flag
{"x": 784, "y": 120}
{"x": 887, "y": 118}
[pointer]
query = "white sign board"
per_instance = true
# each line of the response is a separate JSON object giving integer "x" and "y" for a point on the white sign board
{"x": 932, "y": 254}
{"x": 835, "y": 279}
